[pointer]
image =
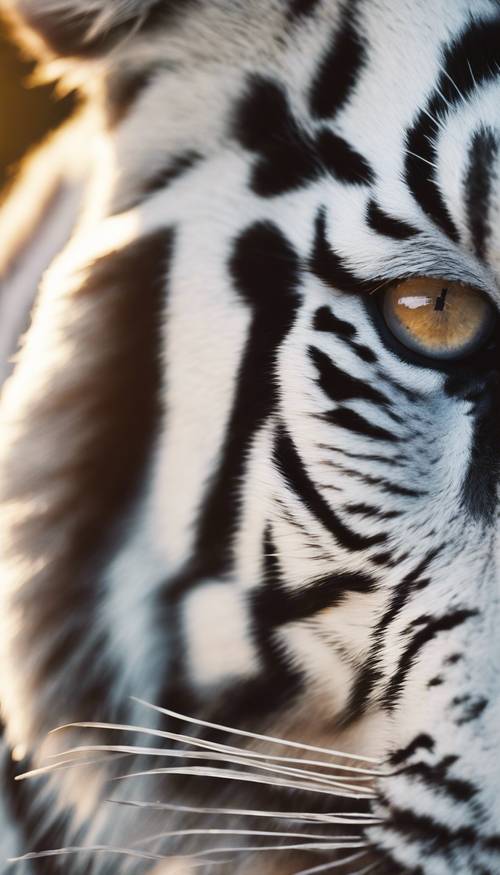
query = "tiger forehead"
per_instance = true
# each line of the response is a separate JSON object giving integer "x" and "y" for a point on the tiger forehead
{"x": 303, "y": 89}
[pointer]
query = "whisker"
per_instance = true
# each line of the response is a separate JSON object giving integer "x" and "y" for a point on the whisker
{"x": 213, "y": 745}
{"x": 229, "y": 775}
{"x": 370, "y": 868}
{"x": 226, "y": 754}
{"x": 239, "y": 760}
{"x": 67, "y": 764}
{"x": 325, "y": 867}
{"x": 300, "y": 846}
{"x": 360, "y": 818}
{"x": 471, "y": 71}
{"x": 437, "y": 121}
{"x": 209, "y": 831}
{"x": 450, "y": 79}
{"x": 420, "y": 158}
{"x": 247, "y": 734}
{"x": 105, "y": 849}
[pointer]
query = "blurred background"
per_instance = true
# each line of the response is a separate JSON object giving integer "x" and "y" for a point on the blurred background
{"x": 26, "y": 113}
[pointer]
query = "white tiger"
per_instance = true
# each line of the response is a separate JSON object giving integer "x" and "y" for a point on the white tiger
{"x": 250, "y": 442}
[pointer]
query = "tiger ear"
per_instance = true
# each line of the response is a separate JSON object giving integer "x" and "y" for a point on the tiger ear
{"x": 79, "y": 28}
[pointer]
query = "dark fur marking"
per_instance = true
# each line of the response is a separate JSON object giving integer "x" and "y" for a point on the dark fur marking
{"x": 176, "y": 167}
{"x": 364, "y": 353}
{"x": 483, "y": 152}
{"x": 437, "y": 836}
{"x": 436, "y": 777}
{"x": 288, "y": 157}
{"x": 342, "y": 160}
{"x": 411, "y": 582}
{"x": 417, "y": 643}
{"x": 403, "y": 754}
{"x": 277, "y": 605}
{"x": 295, "y": 474}
{"x": 368, "y": 510}
{"x": 470, "y": 60}
{"x": 264, "y": 268}
{"x": 479, "y": 490}
{"x": 339, "y": 70}
{"x": 472, "y": 709}
{"x": 369, "y": 457}
{"x": 370, "y": 672}
{"x": 118, "y": 393}
{"x": 280, "y": 680}
{"x": 122, "y": 91}
{"x": 343, "y": 417}
{"x": 340, "y": 386}
{"x": 381, "y": 482}
{"x": 329, "y": 267}
{"x": 386, "y": 225}
{"x": 265, "y": 124}
{"x": 302, "y": 8}
{"x": 325, "y": 320}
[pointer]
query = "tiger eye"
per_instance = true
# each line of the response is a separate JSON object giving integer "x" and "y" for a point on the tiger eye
{"x": 438, "y": 318}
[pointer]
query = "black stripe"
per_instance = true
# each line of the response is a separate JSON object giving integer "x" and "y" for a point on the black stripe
{"x": 281, "y": 680}
{"x": 370, "y": 672}
{"x": 324, "y": 320}
{"x": 438, "y": 836}
{"x": 276, "y": 604}
{"x": 421, "y": 177}
{"x": 469, "y": 61}
{"x": 389, "y": 226}
{"x": 289, "y": 156}
{"x": 369, "y": 457}
{"x": 328, "y": 266}
{"x": 402, "y": 754}
{"x": 364, "y": 353}
{"x": 368, "y": 510}
{"x": 264, "y": 124}
{"x": 301, "y": 8}
{"x": 340, "y": 386}
{"x": 381, "y": 482}
{"x": 420, "y": 639}
{"x": 264, "y": 267}
{"x": 175, "y": 167}
{"x": 122, "y": 90}
{"x": 482, "y": 392}
{"x": 343, "y": 161}
{"x": 295, "y": 474}
{"x": 113, "y": 396}
{"x": 411, "y": 583}
{"x": 342, "y": 417}
{"x": 436, "y": 777}
{"x": 483, "y": 152}
{"x": 339, "y": 70}
{"x": 471, "y": 710}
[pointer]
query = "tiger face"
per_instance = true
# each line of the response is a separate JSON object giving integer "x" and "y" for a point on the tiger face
{"x": 249, "y": 455}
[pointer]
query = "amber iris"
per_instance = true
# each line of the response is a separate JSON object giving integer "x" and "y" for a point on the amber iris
{"x": 438, "y": 318}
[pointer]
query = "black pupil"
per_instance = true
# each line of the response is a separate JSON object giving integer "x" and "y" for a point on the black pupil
{"x": 440, "y": 301}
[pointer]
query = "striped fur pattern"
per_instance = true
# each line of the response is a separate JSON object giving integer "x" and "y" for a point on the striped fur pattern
{"x": 226, "y": 489}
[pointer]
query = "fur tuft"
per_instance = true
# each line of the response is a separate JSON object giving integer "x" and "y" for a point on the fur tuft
{"x": 81, "y": 28}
